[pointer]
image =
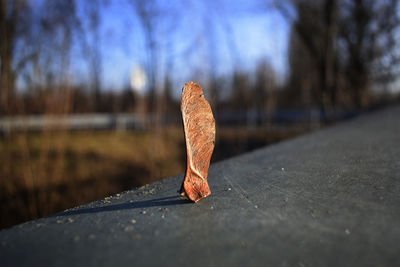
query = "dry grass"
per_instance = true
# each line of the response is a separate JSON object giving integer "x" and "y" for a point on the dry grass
{"x": 42, "y": 173}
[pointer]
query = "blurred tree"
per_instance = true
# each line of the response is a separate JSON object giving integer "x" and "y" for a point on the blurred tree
{"x": 169, "y": 107}
{"x": 217, "y": 30}
{"x": 59, "y": 27}
{"x": 241, "y": 94}
{"x": 316, "y": 25}
{"x": 370, "y": 40}
{"x": 149, "y": 14}
{"x": 212, "y": 56}
{"x": 302, "y": 84}
{"x": 264, "y": 97}
{"x": 14, "y": 24}
{"x": 90, "y": 36}
{"x": 351, "y": 42}
{"x": 127, "y": 101}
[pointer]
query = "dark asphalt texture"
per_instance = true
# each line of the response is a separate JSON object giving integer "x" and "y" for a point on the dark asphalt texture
{"x": 329, "y": 198}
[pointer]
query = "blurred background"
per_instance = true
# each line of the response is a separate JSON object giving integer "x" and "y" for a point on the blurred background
{"x": 90, "y": 90}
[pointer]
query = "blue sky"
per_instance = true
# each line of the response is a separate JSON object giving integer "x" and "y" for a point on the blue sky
{"x": 244, "y": 34}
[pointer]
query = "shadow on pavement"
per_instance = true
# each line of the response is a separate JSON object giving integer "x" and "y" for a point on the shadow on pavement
{"x": 158, "y": 202}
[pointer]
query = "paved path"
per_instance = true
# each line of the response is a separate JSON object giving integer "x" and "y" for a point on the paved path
{"x": 330, "y": 198}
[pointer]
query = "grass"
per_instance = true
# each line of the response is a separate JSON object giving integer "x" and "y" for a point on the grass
{"x": 42, "y": 173}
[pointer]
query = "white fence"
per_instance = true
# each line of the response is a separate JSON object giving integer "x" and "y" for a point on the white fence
{"x": 93, "y": 121}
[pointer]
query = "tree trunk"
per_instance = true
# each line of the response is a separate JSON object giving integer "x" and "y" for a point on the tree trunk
{"x": 7, "y": 30}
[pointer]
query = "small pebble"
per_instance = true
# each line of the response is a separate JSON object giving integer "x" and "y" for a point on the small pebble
{"x": 77, "y": 238}
{"x": 92, "y": 237}
{"x": 162, "y": 216}
{"x": 143, "y": 212}
{"x": 212, "y": 207}
{"x": 70, "y": 220}
{"x": 128, "y": 228}
{"x": 59, "y": 221}
{"x": 283, "y": 169}
{"x": 229, "y": 189}
{"x": 347, "y": 231}
{"x": 133, "y": 221}
{"x": 255, "y": 206}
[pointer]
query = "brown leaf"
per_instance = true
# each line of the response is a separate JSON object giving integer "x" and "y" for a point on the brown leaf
{"x": 199, "y": 128}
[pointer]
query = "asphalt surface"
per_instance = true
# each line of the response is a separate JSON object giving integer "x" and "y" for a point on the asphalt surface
{"x": 329, "y": 198}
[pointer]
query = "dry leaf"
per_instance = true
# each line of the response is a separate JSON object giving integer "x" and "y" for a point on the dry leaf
{"x": 199, "y": 128}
